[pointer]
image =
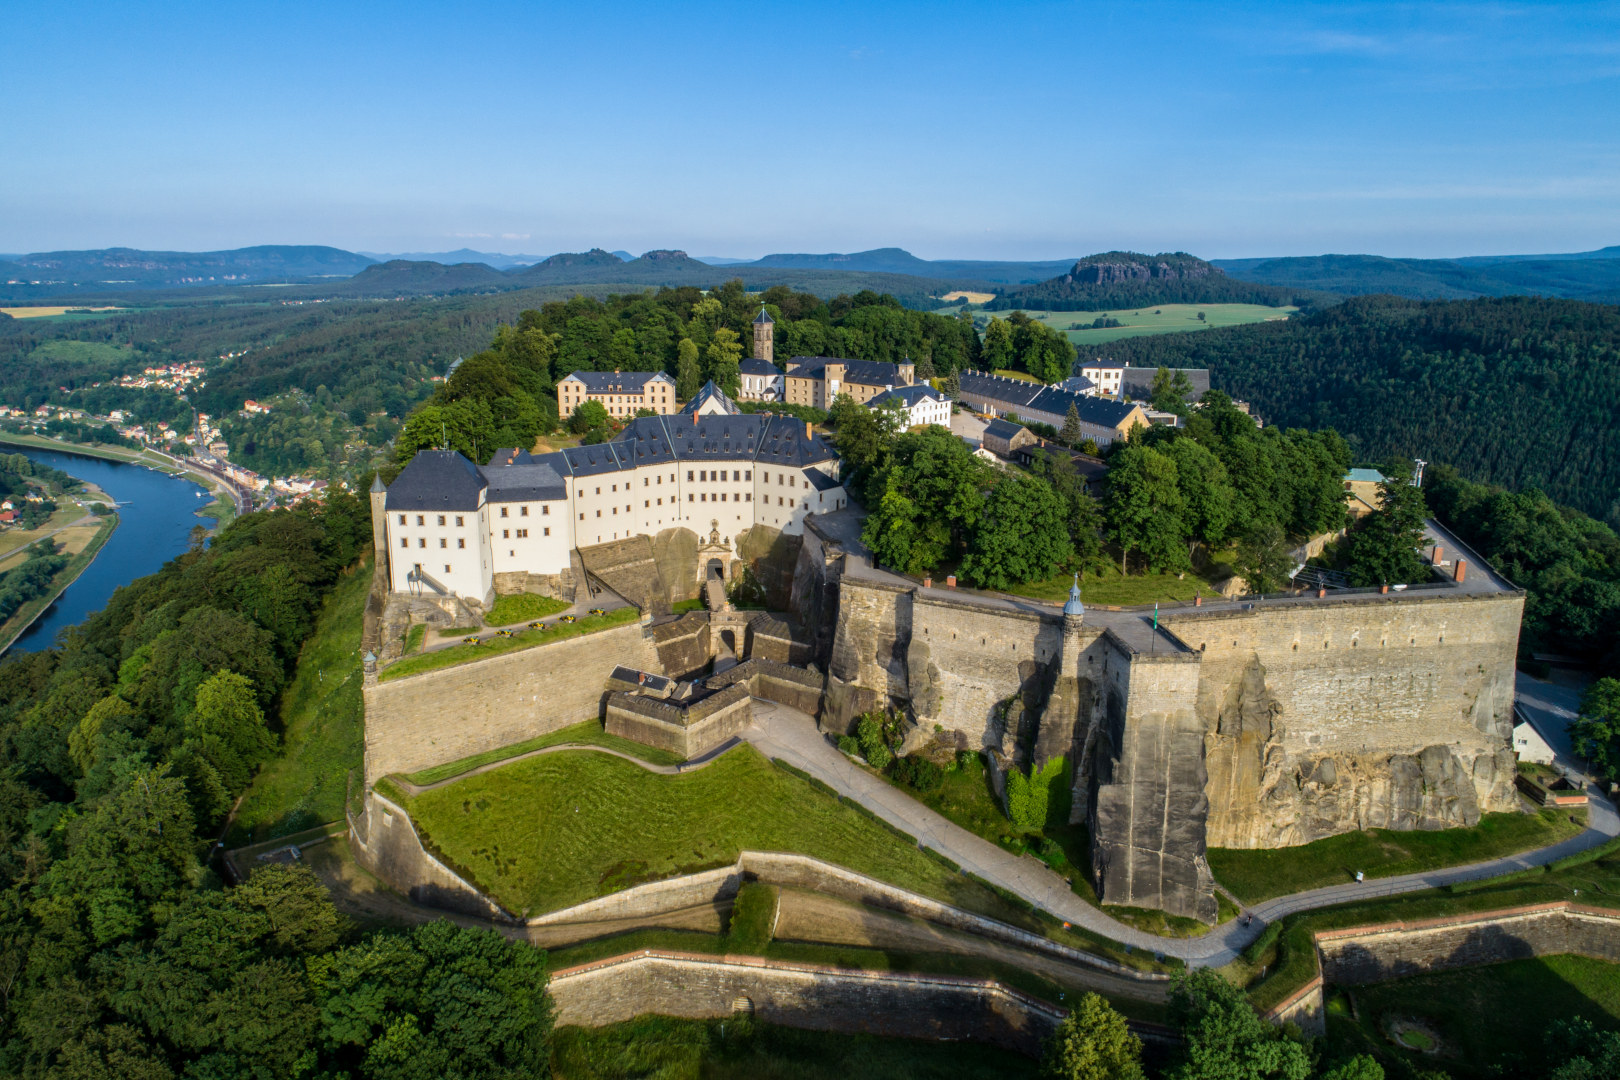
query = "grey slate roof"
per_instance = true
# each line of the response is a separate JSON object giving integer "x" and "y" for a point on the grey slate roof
{"x": 865, "y": 372}
{"x": 907, "y": 395}
{"x": 1002, "y": 429}
{"x": 1018, "y": 395}
{"x": 754, "y": 366}
{"x": 1137, "y": 382}
{"x": 617, "y": 382}
{"x": 820, "y": 480}
{"x": 530, "y": 481}
{"x": 764, "y": 317}
{"x": 1013, "y": 392}
{"x": 710, "y": 392}
{"x": 436, "y": 480}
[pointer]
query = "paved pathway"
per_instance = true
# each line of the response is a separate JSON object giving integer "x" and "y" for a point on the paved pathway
{"x": 792, "y": 736}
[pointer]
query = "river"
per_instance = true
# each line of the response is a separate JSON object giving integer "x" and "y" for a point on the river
{"x": 156, "y": 513}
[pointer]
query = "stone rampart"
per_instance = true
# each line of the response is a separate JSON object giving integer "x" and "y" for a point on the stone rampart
{"x": 684, "y": 644}
{"x": 1363, "y": 954}
{"x": 802, "y": 995}
{"x": 385, "y": 842}
{"x": 450, "y": 713}
{"x": 786, "y": 685}
{"x": 771, "y": 638}
{"x": 689, "y": 731}
{"x": 1380, "y": 712}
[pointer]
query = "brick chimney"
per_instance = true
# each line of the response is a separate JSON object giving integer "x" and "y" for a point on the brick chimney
{"x": 1462, "y": 568}
{"x": 809, "y": 432}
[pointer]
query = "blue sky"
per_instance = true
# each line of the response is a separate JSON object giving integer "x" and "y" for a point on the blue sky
{"x": 1041, "y": 130}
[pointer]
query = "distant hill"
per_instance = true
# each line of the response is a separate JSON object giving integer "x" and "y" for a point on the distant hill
{"x": 1120, "y": 279}
{"x": 899, "y": 261}
{"x": 580, "y": 266}
{"x": 132, "y": 268}
{"x": 1570, "y": 276}
{"x": 460, "y": 255}
{"x": 403, "y": 277}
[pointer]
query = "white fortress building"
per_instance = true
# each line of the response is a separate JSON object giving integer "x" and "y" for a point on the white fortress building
{"x": 452, "y": 525}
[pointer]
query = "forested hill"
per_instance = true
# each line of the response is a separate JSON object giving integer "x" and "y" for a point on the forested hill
{"x": 1120, "y": 279}
{"x": 1588, "y": 276}
{"x": 1518, "y": 391}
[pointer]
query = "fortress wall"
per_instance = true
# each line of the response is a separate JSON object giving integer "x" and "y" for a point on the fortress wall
{"x": 1149, "y": 806}
{"x": 802, "y": 995}
{"x": 867, "y": 667}
{"x": 1386, "y": 712}
{"x": 965, "y": 659}
{"x": 440, "y": 716}
{"x": 384, "y": 841}
{"x": 1366, "y": 954}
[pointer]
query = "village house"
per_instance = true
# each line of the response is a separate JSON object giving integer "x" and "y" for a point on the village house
{"x": 921, "y": 404}
{"x": 1101, "y": 420}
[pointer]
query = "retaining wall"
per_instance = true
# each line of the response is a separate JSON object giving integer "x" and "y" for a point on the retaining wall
{"x": 691, "y": 731}
{"x": 384, "y": 841}
{"x": 802, "y": 995}
{"x": 440, "y": 716}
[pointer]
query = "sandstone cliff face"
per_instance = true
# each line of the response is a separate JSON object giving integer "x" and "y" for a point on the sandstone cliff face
{"x": 1111, "y": 272}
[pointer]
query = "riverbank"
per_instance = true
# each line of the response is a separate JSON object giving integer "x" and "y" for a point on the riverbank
{"x": 226, "y": 504}
{"x": 24, "y": 617}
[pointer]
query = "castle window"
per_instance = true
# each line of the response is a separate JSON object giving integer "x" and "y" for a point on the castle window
{"x": 688, "y": 476}
{"x": 615, "y": 511}
{"x": 503, "y": 512}
{"x": 420, "y": 520}
{"x": 461, "y": 543}
{"x": 599, "y": 513}
{"x": 582, "y": 515}
{"x": 646, "y": 502}
{"x": 421, "y": 542}
{"x": 750, "y": 496}
{"x": 447, "y": 568}
{"x": 523, "y": 511}
{"x": 690, "y": 497}
{"x": 443, "y": 542}
{"x": 506, "y": 534}
{"x": 749, "y": 475}
{"x": 704, "y": 497}
{"x": 402, "y": 519}
{"x": 404, "y": 542}
{"x": 722, "y": 496}
{"x": 459, "y": 522}
{"x": 545, "y": 509}
{"x": 644, "y": 481}
{"x": 599, "y": 491}
{"x": 441, "y": 519}
{"x": 661, "y": 478}
{"x": 523, "y": 534}
{"x": 703, "y": 475}
{"x": 548, "y": 530}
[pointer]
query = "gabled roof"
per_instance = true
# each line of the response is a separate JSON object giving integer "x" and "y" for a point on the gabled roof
{"x": 1364, "y": 476}
{"x": 651, "y": 440}
{"x": 754, "y": 366}
{"x": 528, "y": 481}
{"x": 617, "y": 382}
{"x": 716, "y": 400}
{"x": 1013, "y": 392}
{"x": 907, "y": 395}
{"x": 1002, "y": 429}
{"x": 820, "y": 480}
{"x": 865, "y": 372}
{"x": 1099, "y": 412}
{"x": 436, "y": 480}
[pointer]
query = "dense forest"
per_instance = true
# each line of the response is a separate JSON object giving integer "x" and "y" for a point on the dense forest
{"x": 1437, "y": 279}
{"x": 1126, "y": 279}
{"x": 1519, "y": 391}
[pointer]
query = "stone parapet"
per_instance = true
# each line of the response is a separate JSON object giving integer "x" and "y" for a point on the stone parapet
{"x": 689, "y": 731}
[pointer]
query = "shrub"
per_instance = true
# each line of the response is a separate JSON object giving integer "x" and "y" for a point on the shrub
{"x": 918, "y": 773}
{"x": 753, "y": 917}
{"x": 848, "y": 744}
{"x": 879, "y": 756}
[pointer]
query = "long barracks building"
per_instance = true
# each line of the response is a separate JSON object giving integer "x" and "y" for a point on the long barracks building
{"x": 453, "y": 525}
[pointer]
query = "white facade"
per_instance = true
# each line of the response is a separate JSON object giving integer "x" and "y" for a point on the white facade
{"x": 1106, "y": 379}
{"x": 762, "y": 387}
{"x": 447, "y": 552}
{"x": 927, "y": 407}
{"x": 1529, "y": 745}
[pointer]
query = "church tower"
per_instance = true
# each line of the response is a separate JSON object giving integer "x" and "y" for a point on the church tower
{"x": 379, "y": 519}
{"x": 764, "y": 337}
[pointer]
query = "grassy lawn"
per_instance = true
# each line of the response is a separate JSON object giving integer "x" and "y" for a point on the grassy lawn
{"x": 590, "y": 732}
{"x": 523, "y": 607}
{"x": 1109, "y": 586}
{"x": 492, "y": 646}
{"x": 1466, "y": 1009}
{"x": 321, "y": 714}
{"x": 734, "y": 1049}
{"x": 1011, "y": 374}
{"x": 681, "y": 607}
{"x": 1255, "y": 875}
{"x": 559, "y": 829}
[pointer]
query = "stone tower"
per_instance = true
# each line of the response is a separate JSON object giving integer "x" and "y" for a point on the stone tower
{"x": 1074, "y": 617}
{"x": 379, "y": 517}
{"x": 764, "y": 337}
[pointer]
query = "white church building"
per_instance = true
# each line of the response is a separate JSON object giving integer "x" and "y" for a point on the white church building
{"x": 452, "y": 525}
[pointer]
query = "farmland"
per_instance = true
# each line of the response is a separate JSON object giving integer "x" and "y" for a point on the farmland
{"x": 1163, "y": 319}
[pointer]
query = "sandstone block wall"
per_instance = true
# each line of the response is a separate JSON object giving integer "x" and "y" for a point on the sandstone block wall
{"x": 867, "y": 665}
{"x": 965, "y": 659}
{"x": 1322, "y": 718}
{"x": 689, "y": 732}
{"x": 802, "y": 995}
{"x": 441, "y": 716}
{"x": 1375, "y": 953}
{"x": 791, "y": 686}
{"x": 557, "y": 586}
{"x": 684, "y": 645}
{"x": 384, "y": 841}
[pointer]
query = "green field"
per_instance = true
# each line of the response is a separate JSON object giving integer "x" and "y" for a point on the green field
{"x": 1109, "y": 586}
{"x": 559, "y": 829}
{"x": 492, "y": 645}
{"x": 321, "y": 715}
{"x": 523, "y": 607}
{"x": 1466, "y": 1009}
{"x": 588, "y": 732}
{"x": 80, "y": 352}
{"x": 1164, "y": 319}
{"x": 1255, "y": 875}
{"x": 736, "y": 1049}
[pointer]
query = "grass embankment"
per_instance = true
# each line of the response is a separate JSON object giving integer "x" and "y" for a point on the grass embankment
{"x": 589, "y": 732}
{"x": 1109, "y": 586}
{"x": 1287, "y": 954}
{"x": 1466, "y": 1010}
{"x": 321, "y": 723}
{"x": 1256, "y": 875}
{"x": 523, "y": 607}
{"x": 742, "y": 1049}
{"x": 20, "y": 619}
{"x": 95, "y": 450}
{"x": 494, "y": 646}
